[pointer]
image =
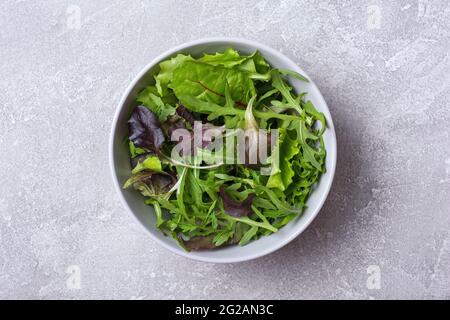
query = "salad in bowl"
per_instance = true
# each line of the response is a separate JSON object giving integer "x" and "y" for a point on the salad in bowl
{"x": 223, "y": 148}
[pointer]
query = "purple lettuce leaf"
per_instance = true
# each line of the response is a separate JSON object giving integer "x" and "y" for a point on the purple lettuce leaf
{"x": 235, "y": 208}
{"x": 145, "y": 129}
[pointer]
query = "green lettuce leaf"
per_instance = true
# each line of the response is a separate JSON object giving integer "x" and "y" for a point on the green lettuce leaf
{"x": 150, "y": 163}
{"x": 207, "y": 83}
{"x": 255, "y": 65}
{"x": 282, "y": 172}
{"x": 135, "y": 151}
{"x": 149, "y": 98}
{"x": 166, "y": 72}
{"x": 229, "y": 58}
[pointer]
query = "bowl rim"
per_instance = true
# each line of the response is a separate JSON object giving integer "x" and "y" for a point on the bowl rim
{"x": 330, "y": 128}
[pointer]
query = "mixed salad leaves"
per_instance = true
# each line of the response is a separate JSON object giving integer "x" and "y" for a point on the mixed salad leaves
{"x": 201, "y": 199}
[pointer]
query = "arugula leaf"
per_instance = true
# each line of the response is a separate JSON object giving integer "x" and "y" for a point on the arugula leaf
{"x": 159, "y": 214}
{"x": 293, "y": 74}
{"x": 310, "y": 109}
{"x": 309, "y": 153}
{"x": 285, "y": 91}
{"x": 248, "y": 235}
{"x": 212, "y": 109}
{"x": 222, "y": 237}
{"x": 253, "y": 223}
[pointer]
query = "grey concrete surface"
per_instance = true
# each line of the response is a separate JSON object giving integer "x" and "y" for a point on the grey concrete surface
{"x": 384, "y": 69}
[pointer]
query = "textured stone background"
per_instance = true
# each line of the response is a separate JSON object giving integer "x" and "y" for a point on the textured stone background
{"x": 383, "y": 67}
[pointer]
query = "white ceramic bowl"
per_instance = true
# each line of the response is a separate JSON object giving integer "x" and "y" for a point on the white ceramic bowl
{"x": 134, "y": 202}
